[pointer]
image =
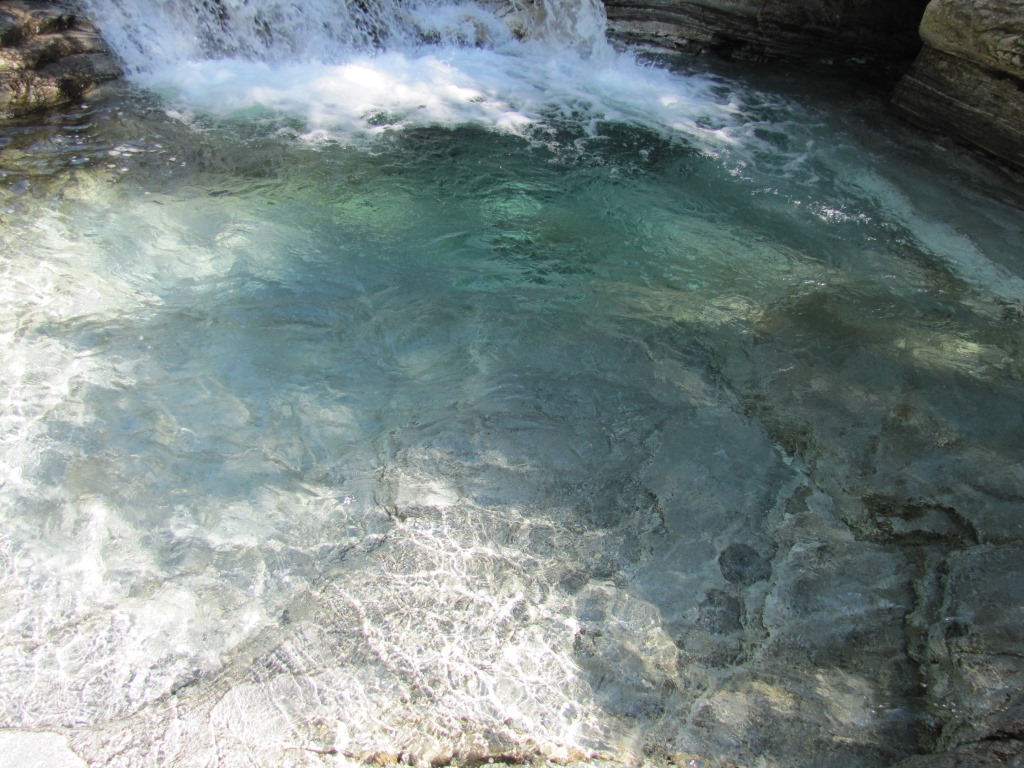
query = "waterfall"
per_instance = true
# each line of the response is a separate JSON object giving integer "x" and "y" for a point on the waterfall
{"x": 147, "y": 35}
{"x": 352, "y": 69}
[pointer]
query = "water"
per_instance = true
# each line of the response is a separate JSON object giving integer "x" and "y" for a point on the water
{"x": 446, "y": 386}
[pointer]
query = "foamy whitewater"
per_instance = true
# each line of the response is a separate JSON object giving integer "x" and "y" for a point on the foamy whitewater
{"x": 433, "y": 384}
{"x": 347, "y": 76}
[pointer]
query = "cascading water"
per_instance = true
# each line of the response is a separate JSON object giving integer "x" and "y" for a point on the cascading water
{"x": 356, "y": 69}
{"x": 430, "y": 383}
{"x": 151, "y": 35}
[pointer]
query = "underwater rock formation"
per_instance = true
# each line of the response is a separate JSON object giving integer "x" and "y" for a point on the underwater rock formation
{"x": 953, "y": 511}
{"x": 968, "y": 81}
{"x": 49, "y": 56}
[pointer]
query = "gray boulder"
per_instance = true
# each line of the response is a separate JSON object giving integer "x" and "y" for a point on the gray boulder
{"x": 968, "y": 81}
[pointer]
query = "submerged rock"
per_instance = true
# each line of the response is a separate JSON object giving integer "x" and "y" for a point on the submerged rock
{"x": 797, "y": 29}
{"x": 742, "y": 564}
{"x": 49, "y": 56}
{"x": 968, "y": 81}
{"x": 969, "y": 652}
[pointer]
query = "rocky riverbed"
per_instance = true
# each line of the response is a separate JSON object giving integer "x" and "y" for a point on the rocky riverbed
{"x": 780, "y": 505}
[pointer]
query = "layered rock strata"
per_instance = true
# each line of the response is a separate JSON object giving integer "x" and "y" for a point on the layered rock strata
{"x": 968, "y": 82}
{"x": 753, "y": 29}
{"x": 49, "y": 56}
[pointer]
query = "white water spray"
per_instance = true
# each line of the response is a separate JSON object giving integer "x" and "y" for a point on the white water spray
{"x": 355, "y": 68}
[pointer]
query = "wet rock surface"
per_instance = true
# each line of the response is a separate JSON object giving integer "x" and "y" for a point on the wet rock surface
{"x": 968, "y": 82}
{"x": 49, "y": 56}
{"x": 798, "y": 29}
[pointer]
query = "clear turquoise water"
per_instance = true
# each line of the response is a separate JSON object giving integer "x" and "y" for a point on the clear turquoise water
{"x": 570, "y": 442}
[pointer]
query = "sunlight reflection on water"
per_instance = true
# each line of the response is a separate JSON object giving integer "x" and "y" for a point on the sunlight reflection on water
{"x": 468, "y": 442}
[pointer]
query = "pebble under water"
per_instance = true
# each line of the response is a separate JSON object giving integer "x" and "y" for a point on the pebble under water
{"x": 587, "y": 441}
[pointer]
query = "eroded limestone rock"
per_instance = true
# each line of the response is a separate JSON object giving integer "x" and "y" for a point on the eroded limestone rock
{"x": 49, "y": 56}
{"x": 988, "y": 32}
{"x": 968, "y": 81}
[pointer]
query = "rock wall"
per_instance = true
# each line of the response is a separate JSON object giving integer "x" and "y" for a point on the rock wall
{"x": 49, "y": 56}
{"x": 755, "y": 29}
{"x": 968, "y": 81}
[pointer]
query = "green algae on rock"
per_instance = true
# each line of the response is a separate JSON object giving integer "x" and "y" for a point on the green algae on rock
{"x": 49, "y": 56}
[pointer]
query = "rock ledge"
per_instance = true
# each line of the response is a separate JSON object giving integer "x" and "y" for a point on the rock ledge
{"x": 968, "y": 81}
{"x": 49, "y": 56}
{"x": 754, "y": 29}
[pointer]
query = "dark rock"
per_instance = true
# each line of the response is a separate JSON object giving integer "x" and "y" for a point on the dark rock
{"x": 797, "y": 29}
{"x": 744, "y": 565}
{"x": 988, "y": 754}
{"x": 955, "y": 97}
{"x": 720, "y": 612}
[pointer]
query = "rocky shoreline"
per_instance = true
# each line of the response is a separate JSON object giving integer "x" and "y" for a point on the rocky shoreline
{"x": 966, "y": 81}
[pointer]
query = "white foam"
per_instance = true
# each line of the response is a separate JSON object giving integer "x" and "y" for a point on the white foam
{"x": 509, "y": 91}
{"x": 20, "y": 749}
{"x": 474, "y": 72}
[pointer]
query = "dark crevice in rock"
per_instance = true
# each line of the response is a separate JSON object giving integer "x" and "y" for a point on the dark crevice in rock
{"x": 1015, "y": 735}
{"x": 915, "y": 522}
